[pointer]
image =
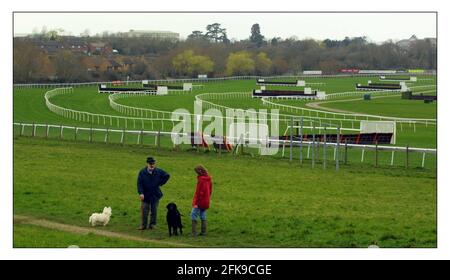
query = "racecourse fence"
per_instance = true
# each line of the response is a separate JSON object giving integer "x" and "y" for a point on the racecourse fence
{"x": 195, "y": 80}
{"x": 331, "y": 118}
{"x": 150, "y": 119}
{"x": 316, "y": 151}
{"x": 140, "y": 118}
{"x": 326, "y": 115}
{"x": 103, "y": 119}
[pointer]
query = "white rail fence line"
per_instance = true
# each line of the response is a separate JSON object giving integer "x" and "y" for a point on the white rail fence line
{"x": 359, "y": 93}
{"x": 41, "y": 85}
{"x": 282, "y": 117}
{"x": 162, "y": 117}
{"x": 146, "y": 112}
{"x": 100, "y": 119}
{"x": 140, "y": 112}
{"x": 423, "y": 86}
{"x": 344, "y": 115}
{"x": 281, "y": 143}
{"x": 165, "y": 116}
{"x": 312, "y": 114}
{"x": 362, "y": 92}
{"x": 135, "y": 111}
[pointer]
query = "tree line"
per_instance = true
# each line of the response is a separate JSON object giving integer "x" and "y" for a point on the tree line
{"x": 211, "y": 52}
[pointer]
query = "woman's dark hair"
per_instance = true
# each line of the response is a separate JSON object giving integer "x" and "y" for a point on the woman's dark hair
{"x": 201, "y": 170}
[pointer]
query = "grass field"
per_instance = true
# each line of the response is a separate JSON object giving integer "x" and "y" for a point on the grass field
{"x": 388, "y": 106}
{"x": 258, "y": 201}
{"x": 284, "y": 206}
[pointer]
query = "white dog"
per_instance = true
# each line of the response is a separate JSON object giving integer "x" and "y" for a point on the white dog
{"x": 101, "y": 218}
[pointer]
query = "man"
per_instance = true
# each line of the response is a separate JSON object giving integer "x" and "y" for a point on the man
{"x": 149, "y": 181}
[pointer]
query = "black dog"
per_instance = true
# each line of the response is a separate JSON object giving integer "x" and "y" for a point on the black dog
{"x": 173, "y": 219}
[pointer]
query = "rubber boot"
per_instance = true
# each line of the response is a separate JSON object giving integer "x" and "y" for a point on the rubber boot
{"x": 194, "y": 228}
{"x": 203, "y": 232}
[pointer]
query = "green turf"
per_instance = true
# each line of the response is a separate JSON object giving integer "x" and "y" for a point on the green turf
{"x": 29, "y": 107}
{"x": 258, "y": 201}
{"x": 284, "y": 206}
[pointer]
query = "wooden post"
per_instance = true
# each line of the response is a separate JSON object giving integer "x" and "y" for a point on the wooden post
{"x": 90, "y": 134}
{"x": 46, "y": 131}
{"x": 21, "y": 129}
{"x": 122, "y": 138}
{"x": 76, "y": 131}
{"x": 61, "y": 132}
{"x": 107, "y": 136}
{"x": 142, "y": 137}
{"x": 33, "y": 132}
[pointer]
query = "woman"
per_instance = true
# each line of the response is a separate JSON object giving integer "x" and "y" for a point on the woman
{"x": 201, "y": 199}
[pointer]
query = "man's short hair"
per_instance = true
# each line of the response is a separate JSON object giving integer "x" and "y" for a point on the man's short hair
{"x": 151, "y": 160}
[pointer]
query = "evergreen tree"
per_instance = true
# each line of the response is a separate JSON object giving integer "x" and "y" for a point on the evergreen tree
{"x": 256, "y": 36}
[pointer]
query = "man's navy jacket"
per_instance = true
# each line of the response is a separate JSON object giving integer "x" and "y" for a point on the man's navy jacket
{"x": 149, "y": 184}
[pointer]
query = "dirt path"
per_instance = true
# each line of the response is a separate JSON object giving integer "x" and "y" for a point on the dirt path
{"x": 18, "y": 219}
{"x": 316, "y": 105}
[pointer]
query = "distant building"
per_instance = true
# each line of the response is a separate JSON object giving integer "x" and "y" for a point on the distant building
{"x": 78, "y": 46}
{"x": 113, "y": 65}
{"x": 127, "y": 63}
{"x": 50, "y": 47}
{"x": 100, "y": 48}
{"x": 161, "y": 35}
{"x": 102, "y": 64}
{"x": 70, "y": 43}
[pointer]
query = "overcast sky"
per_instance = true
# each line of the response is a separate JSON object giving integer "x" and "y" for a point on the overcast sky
{"x": 377, "y": 27}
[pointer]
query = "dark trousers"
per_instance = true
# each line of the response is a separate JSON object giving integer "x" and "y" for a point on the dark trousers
{"x": 151, "y": 207}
